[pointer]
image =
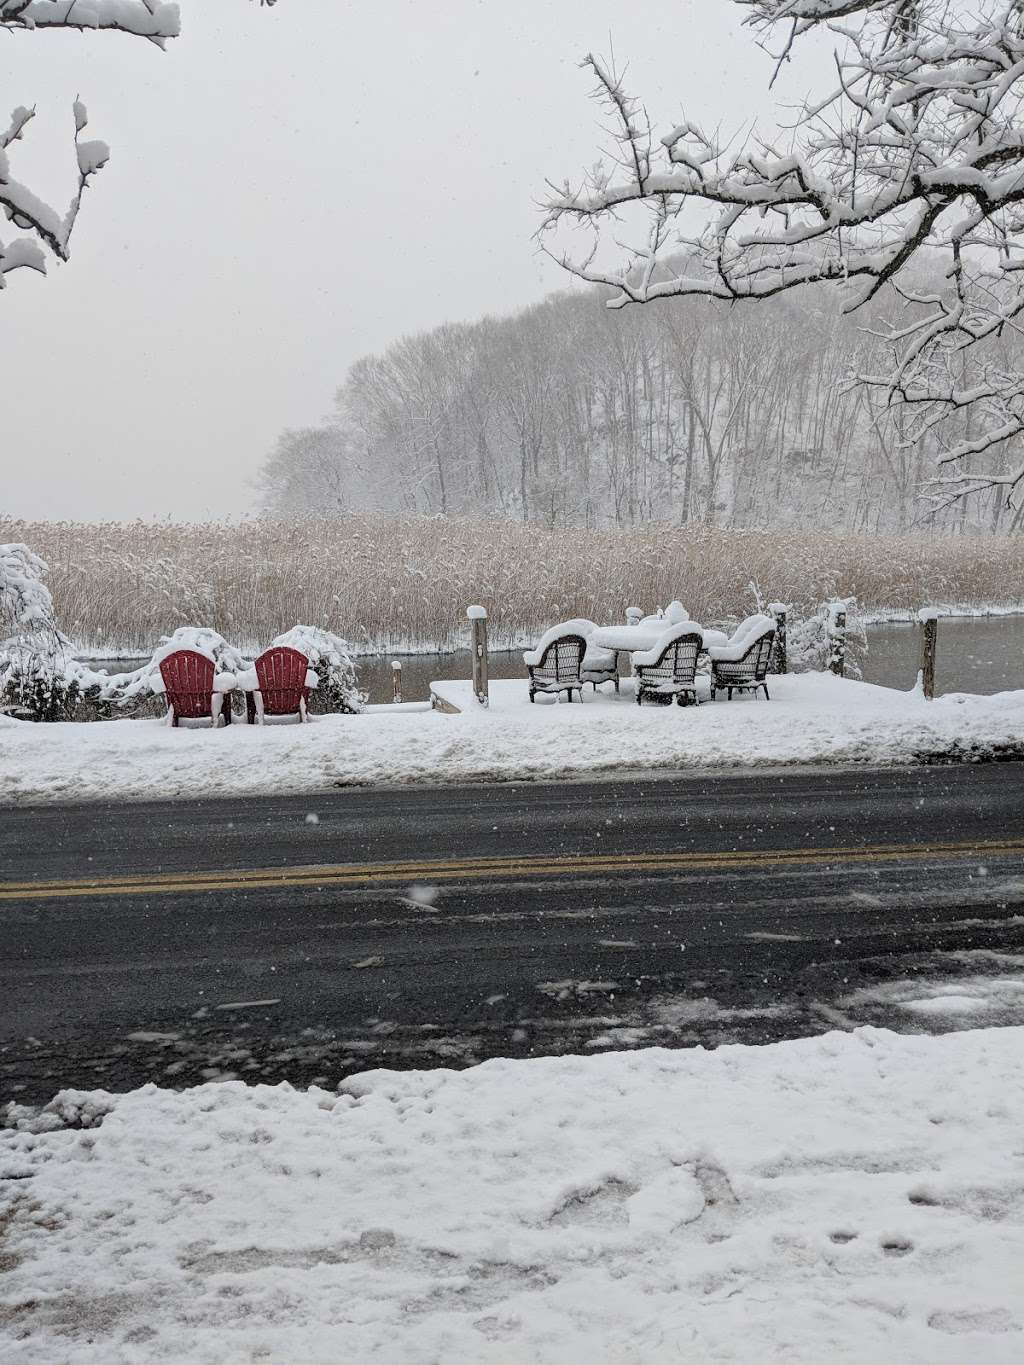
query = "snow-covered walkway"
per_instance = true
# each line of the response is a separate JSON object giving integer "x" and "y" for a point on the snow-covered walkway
{"x": 812, "y": 718}
{"x": 849, "y": 1198}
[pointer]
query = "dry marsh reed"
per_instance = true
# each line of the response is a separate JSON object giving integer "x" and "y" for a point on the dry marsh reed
{"x": 403, "y": 583}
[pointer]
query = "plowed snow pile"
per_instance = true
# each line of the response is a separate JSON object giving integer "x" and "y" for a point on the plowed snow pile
{"x": 855, "y": 1198}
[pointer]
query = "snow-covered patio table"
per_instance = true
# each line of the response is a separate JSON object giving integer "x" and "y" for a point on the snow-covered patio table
{"x": 636, "y": 639}
{"x": 629, "y": 639}
{"x": 645, "y": 636}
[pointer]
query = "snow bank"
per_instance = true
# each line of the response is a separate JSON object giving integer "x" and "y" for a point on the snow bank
{"x": 812, "y": 718}
{"x": 848, "y": 1198}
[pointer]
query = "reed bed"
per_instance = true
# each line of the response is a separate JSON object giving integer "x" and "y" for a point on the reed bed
{"x": 392, "y": 584}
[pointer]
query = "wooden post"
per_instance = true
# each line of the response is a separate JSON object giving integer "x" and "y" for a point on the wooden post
{"x": 396, "y": 679}
{"x": 478, "y": 623}
{"x": 929, "y": 639}
{"x": 837, "y": 638}
{"x": 779, "y": 662}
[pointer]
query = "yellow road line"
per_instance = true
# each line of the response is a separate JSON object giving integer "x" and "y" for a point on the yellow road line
{"x": 411, "y": 869}
{"x": 480, "y": 869}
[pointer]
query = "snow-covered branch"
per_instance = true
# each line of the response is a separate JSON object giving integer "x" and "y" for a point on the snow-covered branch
{"x": 50, "y": 228}
{"x": 915, "y": 148}
{"x": 153, "y": 19}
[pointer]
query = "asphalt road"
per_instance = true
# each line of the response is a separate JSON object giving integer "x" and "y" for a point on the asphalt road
{"x": 304, "y": 938}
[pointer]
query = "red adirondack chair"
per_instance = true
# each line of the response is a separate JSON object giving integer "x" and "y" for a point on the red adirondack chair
{"x": 188, "y": 679}
{"x": 284, "y": 680}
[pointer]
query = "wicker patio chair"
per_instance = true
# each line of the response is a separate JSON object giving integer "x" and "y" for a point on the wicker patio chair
{"x": 557, "y": 666}
{"x": 743, "y": 666}
{"x": 669, "y": 669}
{"x": 600, "y": 666}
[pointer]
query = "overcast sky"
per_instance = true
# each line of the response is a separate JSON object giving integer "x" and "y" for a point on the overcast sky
{"x": 290, "y": 189}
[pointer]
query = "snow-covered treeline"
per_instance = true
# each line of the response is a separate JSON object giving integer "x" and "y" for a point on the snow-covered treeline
{"x": 568, "y": 414}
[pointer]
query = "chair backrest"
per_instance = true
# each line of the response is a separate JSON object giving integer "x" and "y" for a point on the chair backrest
{"x": 748, "y": 627}
{"x": 681, "y": 657}
{"x": 188, "y": 682}
{"x": 678, "y": 660}
{"x": 281, "y": 673}
{"x": 563, "y": 658}
{"x": 752, "y": 665}
{"x": 760, "y": 654}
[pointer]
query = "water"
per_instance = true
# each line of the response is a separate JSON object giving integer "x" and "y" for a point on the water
{"x": 976, "y": 654}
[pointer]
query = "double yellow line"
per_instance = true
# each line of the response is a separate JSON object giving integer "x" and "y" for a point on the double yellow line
{"x": 496, "y": 869}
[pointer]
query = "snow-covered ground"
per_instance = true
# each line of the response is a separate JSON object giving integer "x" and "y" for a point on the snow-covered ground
{"x": 848, "y": 1198}
{"x": 812, "y": 718}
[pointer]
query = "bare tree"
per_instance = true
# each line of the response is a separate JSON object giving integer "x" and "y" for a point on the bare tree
{"x": 314, "y": 471}
{"x": 914, "y": 154}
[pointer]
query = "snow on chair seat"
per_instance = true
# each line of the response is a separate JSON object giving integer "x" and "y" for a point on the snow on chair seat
{"x": 278, "y": 684}
{"x": 600, "y": 666}
{"x": 193, "y": 688}
{"x": 670, "y": 668}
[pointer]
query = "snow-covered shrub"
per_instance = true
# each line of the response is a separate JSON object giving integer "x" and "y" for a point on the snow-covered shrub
{"x": 329, "y": 658}
{"x": 37, "y": 677}
{"x": 810, "y": 639}
{"x": 122, "y": 689}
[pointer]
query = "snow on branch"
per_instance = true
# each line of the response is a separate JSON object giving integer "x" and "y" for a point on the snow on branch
{"x": 26, "y": 210}
{"x": 913, "y": 153}
{"x": 151, "y": 19}
{"x": 49, "y": 228}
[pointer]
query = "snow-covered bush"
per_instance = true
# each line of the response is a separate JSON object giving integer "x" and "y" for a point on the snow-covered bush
{"x": 36, "y": 681}
{"x": 329, "y": 658}
{"x": 810, "y": 639}
{"x": 122, "y": 689}
{"x": 25, "y": 601}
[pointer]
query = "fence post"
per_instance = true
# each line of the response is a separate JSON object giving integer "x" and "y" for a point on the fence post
{"x": 478, "y": 623}
{"x": 929, "y": 619}
{"x": 837, "y": 638}
{"x": 396, "y": 679}
{"x": 779, "y": 662}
